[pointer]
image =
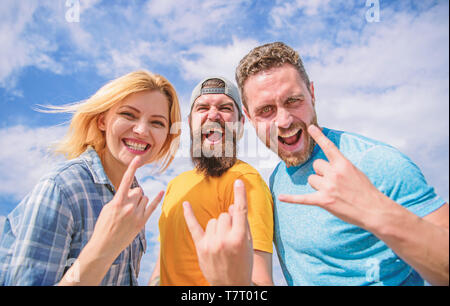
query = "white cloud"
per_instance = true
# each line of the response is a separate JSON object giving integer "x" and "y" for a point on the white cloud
{"x": 25, "y": 157}
{"x": 130, "y": 37}
{"x": 191, "y": 21}
{"x": 284, "y": 10}
{"x": 210, "y": 59}
{"x": 389, "y": 78}
{"x": 312, "y": 7}
{"x": 121, "y": 61}
{"x": 18, "y": 49}
{"x": 29, "y": 40}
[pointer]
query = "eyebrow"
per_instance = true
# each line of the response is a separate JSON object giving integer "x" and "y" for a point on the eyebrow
{"x": 138, "y": 111}
{"x": 295, "y": 97}
{"x": 290, "y": 98}
{"x": 220, "y": 105}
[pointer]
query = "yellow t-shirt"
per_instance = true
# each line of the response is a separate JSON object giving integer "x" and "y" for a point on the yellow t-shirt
{"x": 208, "y": 198}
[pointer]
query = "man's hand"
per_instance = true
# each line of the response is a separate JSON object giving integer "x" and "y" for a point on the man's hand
{"x": 224, "y": 249}
{"x": 346, "y": 192}
{"x": 342, "y": 189}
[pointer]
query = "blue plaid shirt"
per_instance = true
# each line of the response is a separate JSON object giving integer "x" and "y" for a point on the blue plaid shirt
{"x": 46, "y": 232}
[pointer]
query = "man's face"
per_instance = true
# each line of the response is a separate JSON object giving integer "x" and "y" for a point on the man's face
{"x": 214, "y": 121}
{"x": 281, "y": 107}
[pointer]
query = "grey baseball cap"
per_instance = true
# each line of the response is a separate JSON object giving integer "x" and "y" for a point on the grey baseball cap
{"x": 230, "y": 90}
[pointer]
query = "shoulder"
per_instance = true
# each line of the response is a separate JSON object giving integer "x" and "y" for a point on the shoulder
{"x": 253, "y": 180}
{"x": 243, "y": 171}
{"x": 276, "y": 174}
{"x": 242, "y": 168}
{"x": 51, "y": 198}
{"x": 68, "y": 173}
{"x": 391, "y": 171}
{"x": 184, "y": 177}
{"x": 356, "y": 147}
{"x": 349, "y": 142}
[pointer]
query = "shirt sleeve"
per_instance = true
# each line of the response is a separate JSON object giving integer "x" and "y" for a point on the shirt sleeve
{"x": 260, "y": 212}
{"x": 36, "y": 240}
{"x": 400, "y": 179}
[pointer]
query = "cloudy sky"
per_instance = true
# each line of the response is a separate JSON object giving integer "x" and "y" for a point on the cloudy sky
{"x": 380, "y": 68}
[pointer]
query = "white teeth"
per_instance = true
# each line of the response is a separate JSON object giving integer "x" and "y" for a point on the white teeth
{"x": 290, "y": 134}
{"x": 213, "y": 131}
{"x": 136, "y": 146}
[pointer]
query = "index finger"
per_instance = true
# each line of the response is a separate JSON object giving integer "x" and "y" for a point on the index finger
{"x": 128, "y": 177}
{"x": 327, "y": 146}
{"x": 240, "y": 209}
{"x": 194, "y": 227}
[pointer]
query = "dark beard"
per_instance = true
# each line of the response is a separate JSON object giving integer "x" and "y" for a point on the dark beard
{"x": 213, "y": 166}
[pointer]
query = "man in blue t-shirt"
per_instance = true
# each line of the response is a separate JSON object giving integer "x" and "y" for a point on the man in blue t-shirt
{"x": 367, "y": 217}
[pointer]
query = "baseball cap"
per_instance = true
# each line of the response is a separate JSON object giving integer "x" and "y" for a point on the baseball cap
{"x": 230, "y": 90}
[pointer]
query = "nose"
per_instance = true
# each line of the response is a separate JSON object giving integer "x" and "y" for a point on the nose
{"x": 284, "y": 118}
{"x": 141, "y": 128}
{"x": 213, "y": 115}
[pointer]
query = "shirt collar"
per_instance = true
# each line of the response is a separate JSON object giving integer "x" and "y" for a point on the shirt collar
{"x": 95, "y": 166}
{"x": 94, "y": 163}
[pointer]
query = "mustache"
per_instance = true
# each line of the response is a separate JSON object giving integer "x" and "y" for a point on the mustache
{"x": 227, "y": 127}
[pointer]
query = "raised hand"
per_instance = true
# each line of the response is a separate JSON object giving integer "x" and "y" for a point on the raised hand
{"x": 125, "y": 216}
{"x": 342, "y": 189}
{"x": 224, "y": 249}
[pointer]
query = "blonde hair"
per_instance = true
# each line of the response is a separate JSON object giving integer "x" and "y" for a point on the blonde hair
{"x": 84, "y": 131}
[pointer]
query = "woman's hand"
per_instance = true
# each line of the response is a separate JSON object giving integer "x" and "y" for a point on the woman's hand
{"x": 118, "y": 224}
{"x": 124, "y": 217}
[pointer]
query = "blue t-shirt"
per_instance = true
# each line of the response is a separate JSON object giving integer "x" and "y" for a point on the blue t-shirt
{"x": 317, "y": 248}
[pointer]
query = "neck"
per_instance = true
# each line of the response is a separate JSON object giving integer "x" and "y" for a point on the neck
{"x": 113, "y": 169}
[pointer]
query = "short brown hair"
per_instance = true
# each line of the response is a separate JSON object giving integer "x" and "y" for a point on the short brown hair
{"x": 213, "y": 83}
{"x": 266, "y": 57}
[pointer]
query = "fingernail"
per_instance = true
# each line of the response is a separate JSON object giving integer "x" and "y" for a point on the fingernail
{"x": 238, "y": 183}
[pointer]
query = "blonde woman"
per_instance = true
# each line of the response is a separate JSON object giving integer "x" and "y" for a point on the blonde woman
{"x": 83, "y": 223}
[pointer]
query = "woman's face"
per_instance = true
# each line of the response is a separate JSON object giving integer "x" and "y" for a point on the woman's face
{"x": 139, "y": 125}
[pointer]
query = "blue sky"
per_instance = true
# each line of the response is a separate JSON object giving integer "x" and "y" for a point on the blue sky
{"x": 387, "y": 80}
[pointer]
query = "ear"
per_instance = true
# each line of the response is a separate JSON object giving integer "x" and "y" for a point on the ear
{"x": 311, "y": 90}
{"x": 101, "y": 122}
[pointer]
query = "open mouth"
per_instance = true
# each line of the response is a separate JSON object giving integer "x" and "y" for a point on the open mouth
{"x": 291, "y": 139}
{"x": 213, "y": 136}
{"x": 136, "y": 147}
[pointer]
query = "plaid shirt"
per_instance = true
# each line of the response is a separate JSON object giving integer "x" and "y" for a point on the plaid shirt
{"x": 46, "y": 232}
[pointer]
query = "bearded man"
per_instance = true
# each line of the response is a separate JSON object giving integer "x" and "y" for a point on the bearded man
{"x": 366, "y": 215}
{"x": 216, "y": 123}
